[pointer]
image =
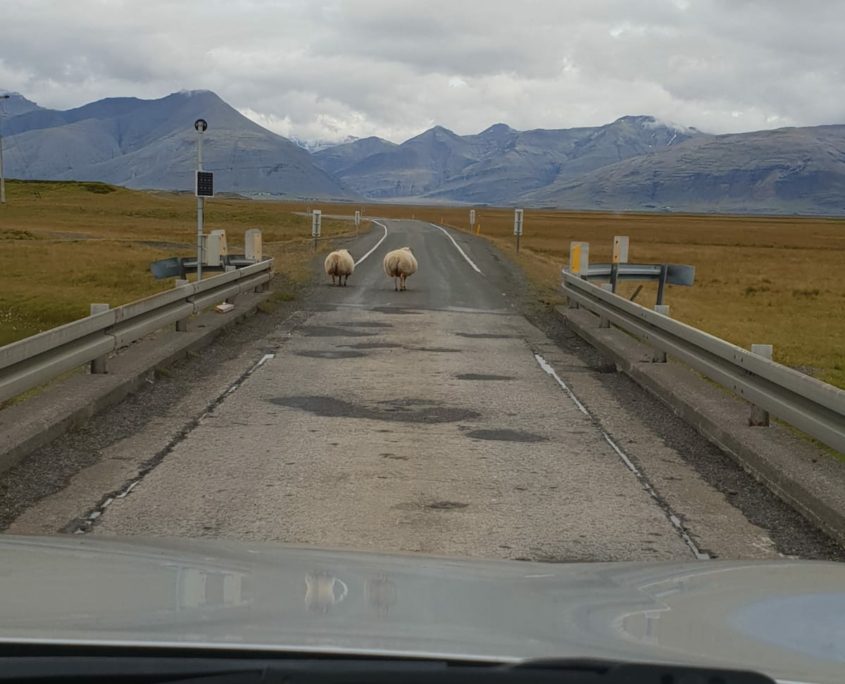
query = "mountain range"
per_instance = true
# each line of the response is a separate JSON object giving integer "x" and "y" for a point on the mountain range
{"x": 152, "y": 144}
{"x": 633, "y": 163}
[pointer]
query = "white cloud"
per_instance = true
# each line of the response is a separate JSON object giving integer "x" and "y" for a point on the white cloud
{"x": 330, "y": 68}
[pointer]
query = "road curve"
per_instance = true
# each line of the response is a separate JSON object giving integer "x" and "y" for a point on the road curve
{"x": 434, "y": 420}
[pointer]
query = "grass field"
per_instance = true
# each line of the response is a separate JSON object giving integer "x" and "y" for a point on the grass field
{"x": 758, "y": 279}
{"x": 66, "y": 245}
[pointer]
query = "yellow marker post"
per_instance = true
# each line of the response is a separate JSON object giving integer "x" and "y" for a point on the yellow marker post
{"x": 579, "y": 258}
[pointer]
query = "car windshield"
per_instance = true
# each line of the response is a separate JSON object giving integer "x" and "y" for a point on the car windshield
{"x": 484, "y": 329}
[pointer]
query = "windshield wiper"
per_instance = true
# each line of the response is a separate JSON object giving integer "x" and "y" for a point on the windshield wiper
{"x": 201, "y": 670}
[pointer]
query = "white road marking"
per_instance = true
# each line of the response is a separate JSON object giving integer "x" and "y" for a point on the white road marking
{"x": 674, "y": 520}
{"x": 378, "y": 223}
{"x": 458, "y": 247}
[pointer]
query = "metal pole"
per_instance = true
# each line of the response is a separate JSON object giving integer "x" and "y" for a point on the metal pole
{"x": 200, "y": 206}
{"x": 661, "y": 285}
{"x": 2, "y": 177}
{"x": 614, "y": 277}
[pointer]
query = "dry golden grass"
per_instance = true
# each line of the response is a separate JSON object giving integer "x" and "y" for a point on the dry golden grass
{"x": 769, "y": 280}
{"x": 66, "y": 245}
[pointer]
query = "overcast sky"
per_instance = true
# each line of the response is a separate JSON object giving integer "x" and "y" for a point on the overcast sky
{"x": 320, "y": 69}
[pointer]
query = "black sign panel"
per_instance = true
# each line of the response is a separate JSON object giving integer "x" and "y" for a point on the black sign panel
{"x": 205, "y": 184}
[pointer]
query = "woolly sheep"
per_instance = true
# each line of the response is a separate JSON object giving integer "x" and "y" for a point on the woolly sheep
{"x": 340, "y": 264}
{"x": 399, "y": 264}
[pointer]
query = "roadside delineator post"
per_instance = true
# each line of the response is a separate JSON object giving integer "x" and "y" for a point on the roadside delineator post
{"x": 182, "y": 323}
{"x": 98, "y": 365}
{"x": 760, "y": 417}
{"x": 518, "y": 219}
{"x": 659, "y": 354}
{"x": 579, "y": 263}
{"x": 316, "y": 226}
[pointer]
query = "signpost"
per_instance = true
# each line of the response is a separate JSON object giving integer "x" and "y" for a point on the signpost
{"x": 357, "y": 221}
{"x": 204, "y": 188}
{"x": 472, "y": 220}
{"x": 517, "y": 226}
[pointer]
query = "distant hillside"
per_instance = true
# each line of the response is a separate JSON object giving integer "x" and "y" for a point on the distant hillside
{"x": 498, "y": 165}
{"x": 788, "y": 170}
{"x": 634, "y": 163}
{"x": 152, "y": 144}
{"x": 14, "y": 105}
{"x": 336, "y": 159}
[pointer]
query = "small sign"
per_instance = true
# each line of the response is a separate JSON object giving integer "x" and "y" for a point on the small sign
{"x": 205, "y": 184}
{"x": 620, "y": 250}
{"x": 357, "y": 218}
{"x": 472, "y": 217}
{"x": 517, "y": 221}
{"x": 316, "y": 223}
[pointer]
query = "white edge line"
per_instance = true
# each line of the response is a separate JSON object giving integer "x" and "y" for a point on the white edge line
{"x": 458, "y": 247}
{"x": 670, "y": 514}
{"x": 378, "y": 223}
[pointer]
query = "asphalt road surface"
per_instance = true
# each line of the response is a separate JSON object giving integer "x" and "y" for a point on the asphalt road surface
{"x": 435, "y": 420}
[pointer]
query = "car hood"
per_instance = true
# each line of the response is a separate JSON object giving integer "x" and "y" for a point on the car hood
{"x": 783, "y": 618}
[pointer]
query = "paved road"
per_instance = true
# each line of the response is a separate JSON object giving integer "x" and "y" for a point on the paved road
{"x": 435, "y": 420}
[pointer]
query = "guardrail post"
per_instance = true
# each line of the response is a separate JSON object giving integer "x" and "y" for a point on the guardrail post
{"x": 181, "y": 324}
{"x": 659, "y": 354}
{"x": 603, "y": 321}
{"x": 228, "y": 269}
{"x": 98, "y": 365}
{"x": 759, "y": 417}
{"x": 661, "y": 284}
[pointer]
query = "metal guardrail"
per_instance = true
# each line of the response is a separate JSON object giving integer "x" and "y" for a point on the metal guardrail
{"x": 675, "y": 274}
{"x": 38, "y": 359}
{"x": 798, "y": 399}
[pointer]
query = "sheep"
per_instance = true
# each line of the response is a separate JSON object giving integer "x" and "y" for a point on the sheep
{"x": 399, "y": 264}
{"x": 340, "y": 264}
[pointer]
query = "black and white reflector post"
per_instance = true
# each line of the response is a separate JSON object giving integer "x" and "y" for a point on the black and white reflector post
{"x": 316, "y": 224}
{"x": 517, "y": 225}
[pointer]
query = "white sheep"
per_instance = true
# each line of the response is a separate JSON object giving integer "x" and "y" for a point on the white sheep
{"x": 399, "y": 264}
{"x": 340, "y": 264}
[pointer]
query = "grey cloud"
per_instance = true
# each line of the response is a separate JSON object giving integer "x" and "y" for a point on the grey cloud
{"x": 327, "y": 68}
